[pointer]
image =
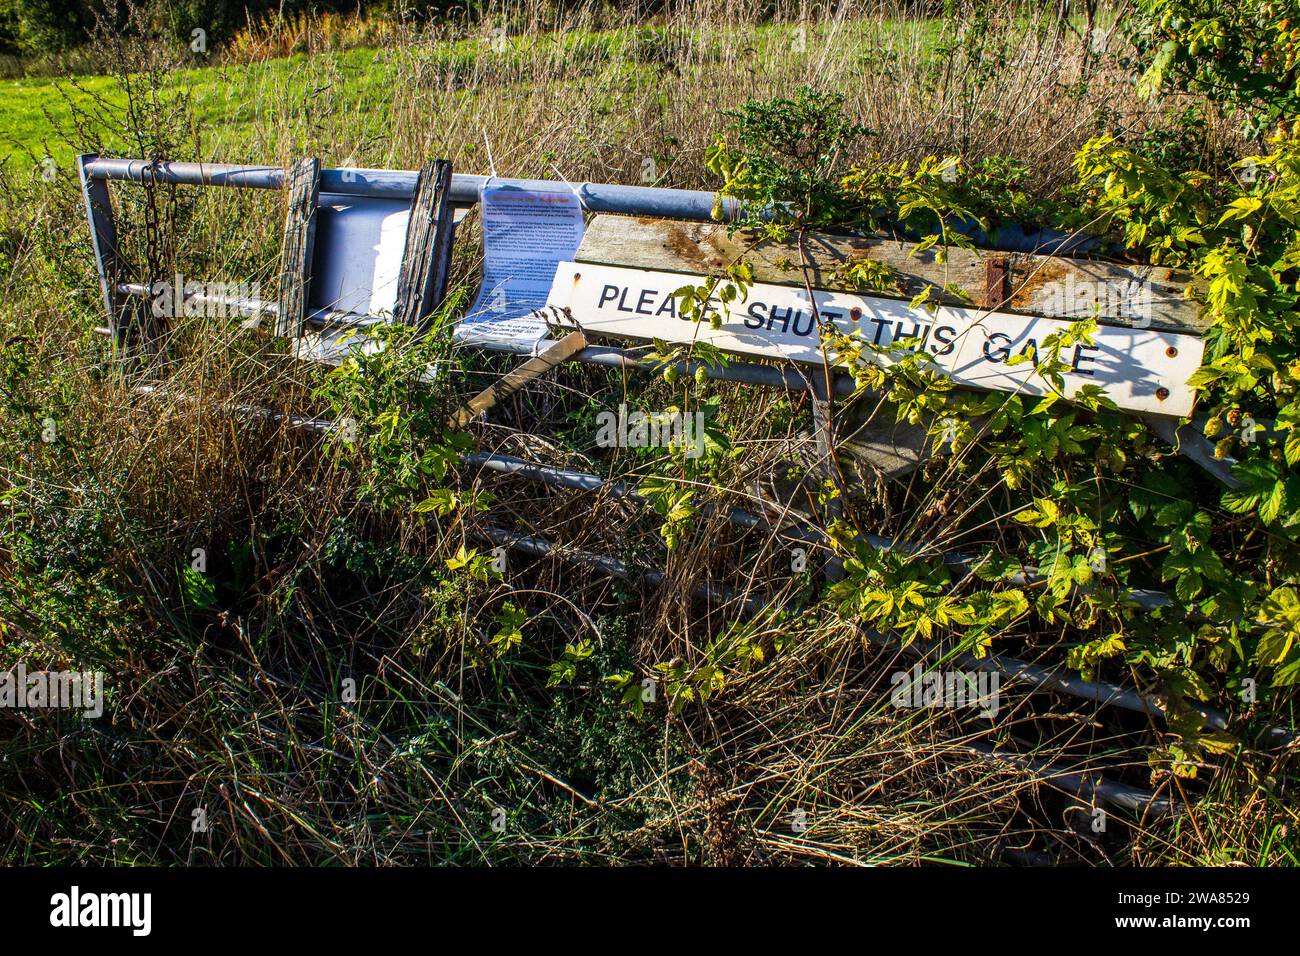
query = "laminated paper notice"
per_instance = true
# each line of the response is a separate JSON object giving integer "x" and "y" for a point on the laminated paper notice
{"x": 526, "y": 234}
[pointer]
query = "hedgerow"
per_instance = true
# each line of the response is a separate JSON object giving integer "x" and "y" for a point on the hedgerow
{"x": 1098, "y": 506}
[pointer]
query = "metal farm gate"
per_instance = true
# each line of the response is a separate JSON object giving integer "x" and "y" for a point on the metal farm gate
{"x": 436, "y": 201}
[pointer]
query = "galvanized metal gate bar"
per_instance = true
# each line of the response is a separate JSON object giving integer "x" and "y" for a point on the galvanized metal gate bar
{"x": 103, "y": 239}
{"x": 1086, "y": 784}
{"x": 654, "y": 201}
{"x": 606, "y": 355}
{"x": 402, "y": 184}
{"x": 1010, "y": 668}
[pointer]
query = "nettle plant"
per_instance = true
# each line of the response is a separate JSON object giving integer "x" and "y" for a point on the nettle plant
{"x": 391, "y": 409}
{"x": 1097, "y": 506}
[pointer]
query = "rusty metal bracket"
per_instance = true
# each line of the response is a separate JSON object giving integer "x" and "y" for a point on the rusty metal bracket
{"x": 997, "y": 282}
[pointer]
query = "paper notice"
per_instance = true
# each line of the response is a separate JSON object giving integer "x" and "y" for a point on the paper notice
{"x": 526, "y": 234}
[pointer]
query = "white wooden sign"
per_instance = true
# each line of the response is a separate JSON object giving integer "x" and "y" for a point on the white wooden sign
{"x": 1143, "y": 370}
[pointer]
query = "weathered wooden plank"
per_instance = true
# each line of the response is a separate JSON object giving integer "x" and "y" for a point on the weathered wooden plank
{"x": 427, "y": 257}
{"x": 1051, "y": 286}
{"x": 555, "y": 354}
{"x": 299, "y": 244}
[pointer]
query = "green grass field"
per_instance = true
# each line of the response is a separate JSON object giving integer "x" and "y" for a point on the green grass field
{"x": 234, "y": 106}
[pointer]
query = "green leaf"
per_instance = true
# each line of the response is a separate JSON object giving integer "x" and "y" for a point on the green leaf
{"x": 1257, "y": 480}
{"x": 197, "y": 588}
{"x": 1188, "y": 586}
{"x": 441, "y": 501}
{"x": 1240, "y": 208}
{"x": 461, "y": 558}
{"x": 1271, "y": 506}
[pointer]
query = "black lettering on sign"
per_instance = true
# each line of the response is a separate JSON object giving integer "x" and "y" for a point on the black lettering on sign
{"x": 1002, "y": 352}
{"x": 647, "y": 296}
{"x": 754, "y": 315}
{"x": 785, "y": 319}
{"x": 1080, "y": 357}
{"x": 669, "y": 305}
{"x": 944, "y": 334}
{"x": 608, "y": 294}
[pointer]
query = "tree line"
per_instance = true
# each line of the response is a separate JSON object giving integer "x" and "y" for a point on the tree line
{"x": 37, "y": 27}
